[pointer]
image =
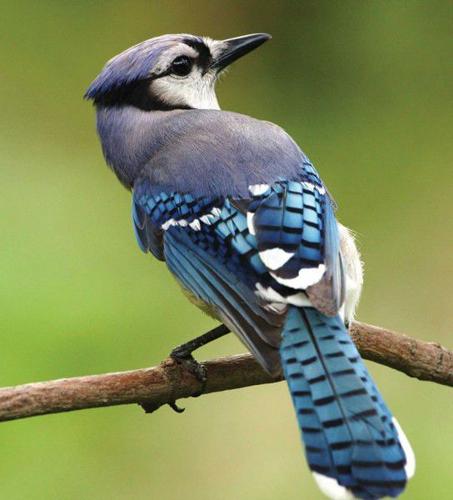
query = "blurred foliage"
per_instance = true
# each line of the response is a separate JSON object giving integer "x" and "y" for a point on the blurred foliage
{"x": 364, "y": 88}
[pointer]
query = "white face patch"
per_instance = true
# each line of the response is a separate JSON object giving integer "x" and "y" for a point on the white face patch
{"x": 194, "y": 90}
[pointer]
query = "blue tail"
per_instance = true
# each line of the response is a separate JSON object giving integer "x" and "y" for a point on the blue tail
{"x": 350, "y": 437}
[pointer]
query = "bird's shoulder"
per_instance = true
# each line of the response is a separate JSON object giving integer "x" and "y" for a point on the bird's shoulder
{"x": 213, "y": 152}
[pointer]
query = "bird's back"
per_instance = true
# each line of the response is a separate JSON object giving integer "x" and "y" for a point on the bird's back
{"x": 215, "y": 151}
{"x": 206, "y": 152}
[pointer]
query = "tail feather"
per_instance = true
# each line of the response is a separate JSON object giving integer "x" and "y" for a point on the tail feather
{"x": 351, "y": 442}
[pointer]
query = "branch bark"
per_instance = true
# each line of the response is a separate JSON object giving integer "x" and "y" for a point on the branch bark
{"x": 170, "y": 381}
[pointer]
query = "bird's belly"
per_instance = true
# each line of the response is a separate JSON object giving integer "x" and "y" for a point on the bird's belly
{"x": 206, "y": 308}
{"x": 353, "y": 272}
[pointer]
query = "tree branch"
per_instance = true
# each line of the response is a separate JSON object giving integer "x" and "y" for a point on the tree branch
{"x": 170, "y": 381}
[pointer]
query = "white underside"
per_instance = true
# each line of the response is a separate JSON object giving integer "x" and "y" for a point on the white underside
{"x": 353, "y": 269}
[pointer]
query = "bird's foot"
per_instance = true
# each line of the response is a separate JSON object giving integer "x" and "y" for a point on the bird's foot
{"x": 183, "y": 355}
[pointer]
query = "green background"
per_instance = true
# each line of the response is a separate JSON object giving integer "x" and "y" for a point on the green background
{"x": 364, "y": 88}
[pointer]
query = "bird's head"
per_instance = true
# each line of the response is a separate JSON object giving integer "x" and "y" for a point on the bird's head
{"x": 169, "y": 72}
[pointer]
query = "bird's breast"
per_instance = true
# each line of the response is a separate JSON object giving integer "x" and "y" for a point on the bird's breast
{"x": 206, "y": 308}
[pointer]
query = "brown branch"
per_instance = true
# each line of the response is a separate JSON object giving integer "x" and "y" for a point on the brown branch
{"x": 170, "y": 381}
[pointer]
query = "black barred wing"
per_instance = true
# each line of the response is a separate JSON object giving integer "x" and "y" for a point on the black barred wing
{"x": 238, "y": 256}
{"x": 297, "y": 239}
{"x": 206, "y": 244}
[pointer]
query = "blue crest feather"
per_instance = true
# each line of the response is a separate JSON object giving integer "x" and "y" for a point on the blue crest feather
{"x": 132, "y": 65}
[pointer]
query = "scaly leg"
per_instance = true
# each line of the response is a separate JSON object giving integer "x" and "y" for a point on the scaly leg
{"x": 183, "y": 354}
{"x": 184, "y": 351}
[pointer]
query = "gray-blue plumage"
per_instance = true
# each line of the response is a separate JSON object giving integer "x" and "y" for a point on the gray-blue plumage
{"x": 244, "y": 222}
{"x": 207, "y": 152}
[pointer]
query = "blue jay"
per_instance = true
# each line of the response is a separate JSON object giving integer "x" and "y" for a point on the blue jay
{"x": 242, "y": 219}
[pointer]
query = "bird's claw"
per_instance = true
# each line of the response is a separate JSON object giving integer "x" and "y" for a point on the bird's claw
{"x": 152, "y": 407}
{"x": 176, "y": 408}
{"x": 198, "y": 370}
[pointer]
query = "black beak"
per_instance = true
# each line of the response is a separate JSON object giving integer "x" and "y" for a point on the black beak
{"x": 238, "y": 47}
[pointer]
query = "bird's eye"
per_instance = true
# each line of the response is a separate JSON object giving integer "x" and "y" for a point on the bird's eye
{"x": 181, "y": 66}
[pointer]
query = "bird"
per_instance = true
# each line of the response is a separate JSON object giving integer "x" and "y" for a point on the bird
{"x": 243, "y": 221}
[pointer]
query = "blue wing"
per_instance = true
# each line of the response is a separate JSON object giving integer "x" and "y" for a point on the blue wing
{"x": 215, "y": 246}
{"x": 206, "y": 245}
{"x": 154, "y": 210}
